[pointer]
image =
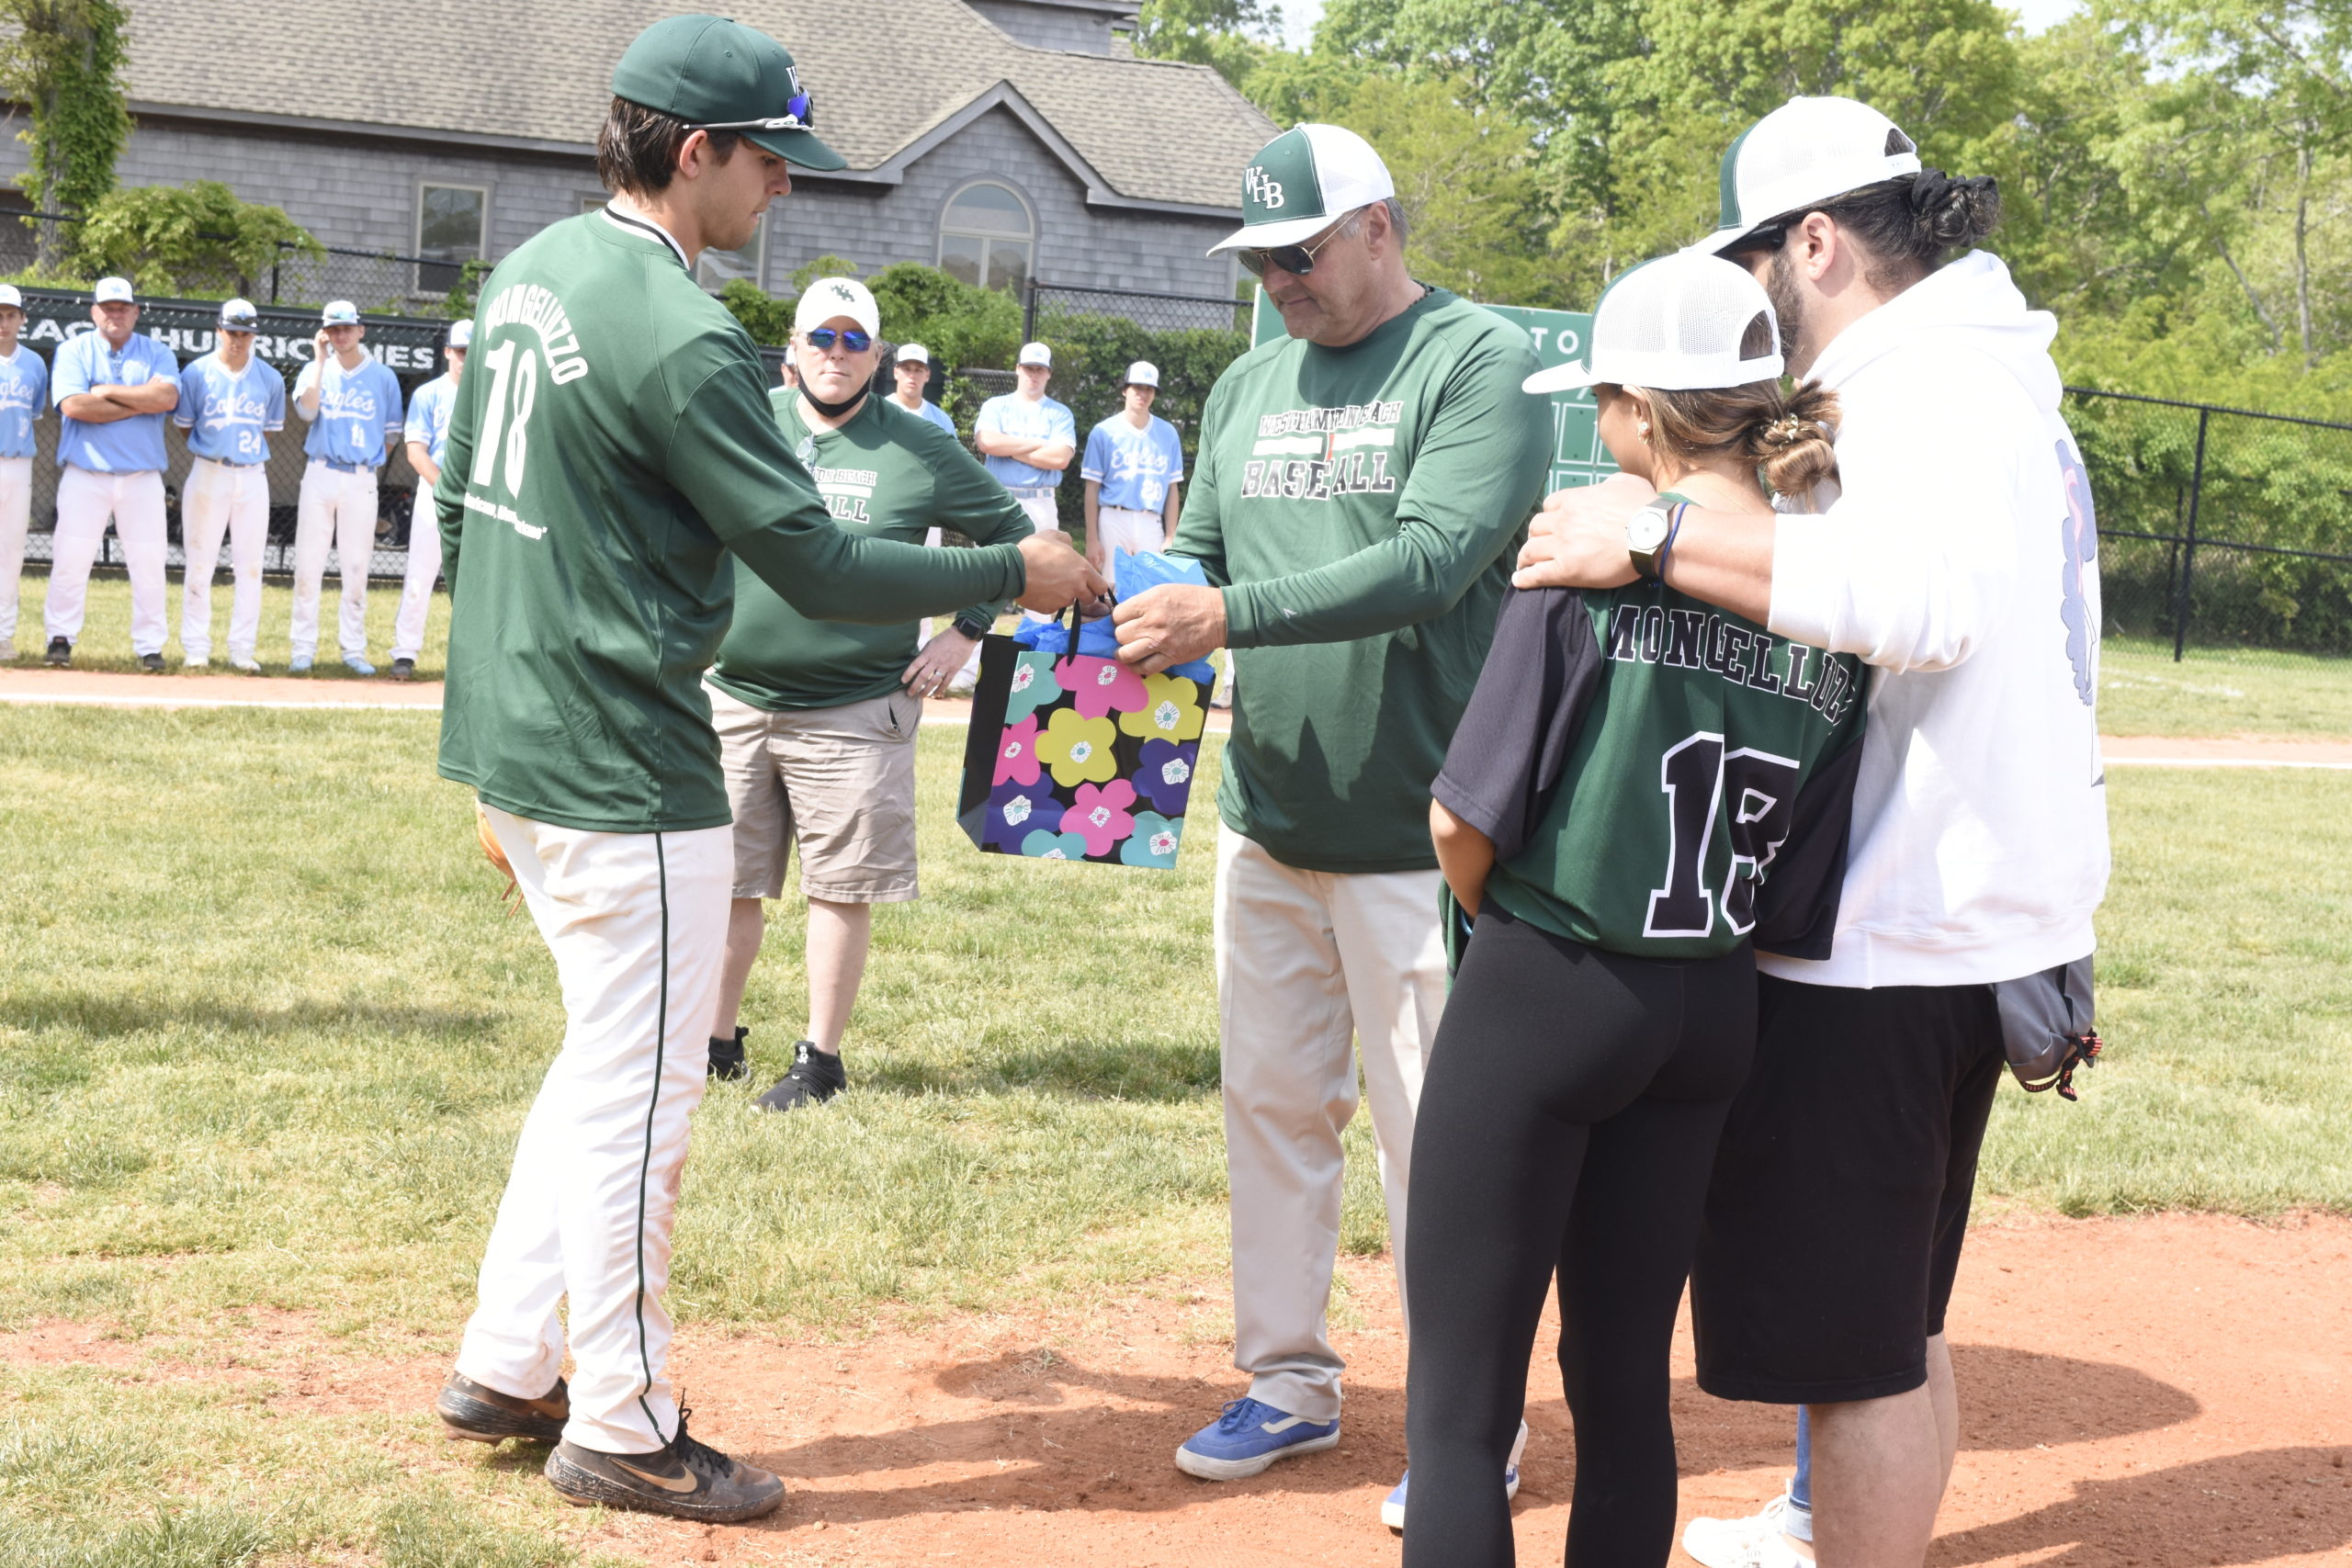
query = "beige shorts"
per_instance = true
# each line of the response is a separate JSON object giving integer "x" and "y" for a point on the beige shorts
{"x": 839, "y": 782}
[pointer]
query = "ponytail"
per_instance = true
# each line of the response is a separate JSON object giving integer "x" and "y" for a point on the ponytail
{"x": 1786, "y": 437}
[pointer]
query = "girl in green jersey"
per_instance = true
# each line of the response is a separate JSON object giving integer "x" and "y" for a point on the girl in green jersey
{"x": 1643, "y": 789}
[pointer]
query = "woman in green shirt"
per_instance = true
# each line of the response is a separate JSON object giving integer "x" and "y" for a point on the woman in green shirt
{"x": 1642, "y": 789}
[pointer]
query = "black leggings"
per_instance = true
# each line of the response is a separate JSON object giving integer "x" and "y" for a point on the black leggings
{"x": 1568, "y": 1121}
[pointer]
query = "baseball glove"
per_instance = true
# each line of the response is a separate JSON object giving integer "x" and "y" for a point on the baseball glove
{"x": 511, "y": 895}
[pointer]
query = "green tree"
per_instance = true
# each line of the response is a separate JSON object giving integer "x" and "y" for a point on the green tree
{"x": 197, "y": 239}
{"x": 64, "y": 63}
{"x": 1233, "y": 36}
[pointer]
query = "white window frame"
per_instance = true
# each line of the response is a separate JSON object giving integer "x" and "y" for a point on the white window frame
{"x": 940, "y": 231}
{"x": 416, "y": 228}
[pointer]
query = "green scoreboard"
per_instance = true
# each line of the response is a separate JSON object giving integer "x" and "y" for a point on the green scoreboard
{"x": 1557, "y": 337}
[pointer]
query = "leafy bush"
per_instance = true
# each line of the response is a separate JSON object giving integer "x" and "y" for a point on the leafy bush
{"x": 1090, "y": 358}
{"x": 190, "y": 240}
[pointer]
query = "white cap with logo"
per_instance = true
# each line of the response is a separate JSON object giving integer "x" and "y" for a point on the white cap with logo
{"x": 1301, "y": 182}
{"x": 1035, "y": 354}
{"x": 113, "y": 291}
{"x": 913, "y": 353}
{"x": 1802, "y": 154}
{"x": 339, "y": 314}
{"x": 831, "y": 297}
{"x": 461, "y": 334}
{"x": 1142, "y": 373}
{"x": 1678, "y": 324}
{"x": 8, "y": 296}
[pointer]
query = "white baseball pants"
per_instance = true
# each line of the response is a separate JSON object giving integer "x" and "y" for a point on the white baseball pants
{"x": 337, "y": 508}
{"x": 85, "y": 503}
{"x": 222, "y": 499}
{"x": 1308, "y": 965}
{"x": 424, "y": 572}
{"x": 1045, "y": 518}
{"x": 15, "y": 519}
{"x": 1126, "y": 529}
{"x": 637, "y": 923}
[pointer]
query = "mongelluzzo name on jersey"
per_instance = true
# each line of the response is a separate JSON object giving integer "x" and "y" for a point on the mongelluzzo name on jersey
{"x": 1696, "y": 639}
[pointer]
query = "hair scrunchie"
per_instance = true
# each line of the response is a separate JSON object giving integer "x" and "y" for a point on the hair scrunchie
{"x": 1930, "y": 188}
{"x": 1785, "y": 431}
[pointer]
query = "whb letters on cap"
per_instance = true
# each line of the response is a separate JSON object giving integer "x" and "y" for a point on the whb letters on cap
{"x": 1280, "y": 185}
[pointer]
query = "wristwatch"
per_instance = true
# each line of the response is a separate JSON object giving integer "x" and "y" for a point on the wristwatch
{"x": 1645, "y": 534}
{"x": 974, "y": 626}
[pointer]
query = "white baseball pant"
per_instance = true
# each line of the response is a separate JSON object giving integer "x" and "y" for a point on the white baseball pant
{"x": 1126, "y": 529}
{"x": 637, "y": 923}
{"x": 15, "y": 519}
{"x": 85, "y": 502}
{"x": 1308, "y": 965}
{"x": 337, "y": 508}
{"x": 424, "y": 572}
{"x": 1045, "y": 518}
{"x": 219, "y": 499}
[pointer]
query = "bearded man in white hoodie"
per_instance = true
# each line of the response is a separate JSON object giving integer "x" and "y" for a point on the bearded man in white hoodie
{"x": 1951, "y": 561}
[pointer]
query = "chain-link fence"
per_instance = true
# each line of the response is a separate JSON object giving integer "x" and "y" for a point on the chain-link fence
{"x": 2219, "y": 528}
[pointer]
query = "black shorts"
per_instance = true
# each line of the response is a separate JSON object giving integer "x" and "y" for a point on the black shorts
{"x": 1841, "y": 1191}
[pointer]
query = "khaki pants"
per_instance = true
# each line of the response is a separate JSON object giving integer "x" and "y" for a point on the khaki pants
{"x": 1308, "y": 964}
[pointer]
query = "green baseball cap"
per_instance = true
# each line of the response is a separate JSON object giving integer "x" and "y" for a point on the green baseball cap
{"x": 718, "y": 74}
{"x": 1300, "y": 182}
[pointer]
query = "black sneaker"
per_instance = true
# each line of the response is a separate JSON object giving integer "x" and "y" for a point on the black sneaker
{"x": 483, "y": 1414}
{"x": 61, "y": 652}
{"x": 687, "y": 1481}
{"x": 816, "y": 1077}
{"x": 726, "y": 1056}
{"x": 152, "y": 662}
{"x": 403, "y": 668}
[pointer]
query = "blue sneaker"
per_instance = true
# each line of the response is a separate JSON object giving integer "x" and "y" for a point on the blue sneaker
{"x": 301, "y": 666}
{"x": 1248, "y": 1437}
{"x": 1392, "y": 1510}
{"x": 358, "y": 665}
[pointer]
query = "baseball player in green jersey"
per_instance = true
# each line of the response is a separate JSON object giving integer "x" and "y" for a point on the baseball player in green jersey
{"x": 1643, "y": 790}
{"x": 817, "y": 720}
{"x": 611, "y": 446}
{"x": 1357, "y": 492}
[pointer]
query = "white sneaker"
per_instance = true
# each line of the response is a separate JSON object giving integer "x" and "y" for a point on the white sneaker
{"x": 196, "y": 665}
{"x": 1756, "y": 1541}
{"x": 244, "y": 663}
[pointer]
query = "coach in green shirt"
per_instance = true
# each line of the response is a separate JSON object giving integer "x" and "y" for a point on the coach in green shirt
{"x": 612, "y": 448}
{"x": 1359, "y": 488}
{"x": 817, "y": 720}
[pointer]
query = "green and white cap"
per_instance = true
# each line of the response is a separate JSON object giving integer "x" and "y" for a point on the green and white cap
{"x": 714, "y": 70}
{"x": 1679, "y": 323}
{"x": 1301, "y": 182}
{"x": 1807, "y": 151}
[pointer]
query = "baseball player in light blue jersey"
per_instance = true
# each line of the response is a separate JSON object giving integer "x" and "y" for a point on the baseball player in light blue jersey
{"x": 428, "y": 433}
{"x": 353, "y": 405}
{"x": 912, "y": 371}
{"x": 1132, "y": 467}
{"x": 1027, "y": 439}
{"x": 24, "y": 387}
{"x": 113, "y": 389}
{"x": 229, "y": 405}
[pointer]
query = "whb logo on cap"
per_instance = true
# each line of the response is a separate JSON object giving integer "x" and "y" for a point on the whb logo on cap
{"x": 1262, "y": 187}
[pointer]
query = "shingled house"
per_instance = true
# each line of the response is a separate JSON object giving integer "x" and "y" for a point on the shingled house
{"x": 1003, "y": 140}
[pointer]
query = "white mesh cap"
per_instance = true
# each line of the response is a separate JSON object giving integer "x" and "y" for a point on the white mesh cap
{"x": 1678, "y": 324}
{"x": 1802, "y": 154}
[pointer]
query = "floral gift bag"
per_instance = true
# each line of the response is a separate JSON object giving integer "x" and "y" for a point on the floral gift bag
{"x": 1078, "y": 757}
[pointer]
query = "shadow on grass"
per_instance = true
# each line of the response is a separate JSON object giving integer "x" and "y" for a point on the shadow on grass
{"x": 113, "y": 1013}
{"x": 1086, "y": 1070}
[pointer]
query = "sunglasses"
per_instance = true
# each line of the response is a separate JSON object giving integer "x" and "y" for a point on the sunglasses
{"x": 1763, "y": 237}
{"x": 854, "y": 339}
{"x": 1296, "y": 260}
{"x": 799, "y": 114}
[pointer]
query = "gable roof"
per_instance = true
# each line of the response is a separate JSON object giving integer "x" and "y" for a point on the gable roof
{"x": 887, "y": 75}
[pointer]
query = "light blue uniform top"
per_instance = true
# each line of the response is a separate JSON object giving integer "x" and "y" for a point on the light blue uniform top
{"x": 228, "y": 415}
{"x": 928, "y": 411}
{"x": 1133, "y": 466}
{"x": 130, "y": 445}
{"x": 428, "y": 414}
{"x": 24, "y": 387}
{"x": 359, "y": 411}
{"x": 1043, "y": 420}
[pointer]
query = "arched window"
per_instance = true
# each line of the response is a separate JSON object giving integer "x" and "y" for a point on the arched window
{"x": 987, "y": 236}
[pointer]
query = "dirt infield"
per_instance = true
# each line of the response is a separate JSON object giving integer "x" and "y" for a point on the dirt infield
{"x": 2154, "y": 1392}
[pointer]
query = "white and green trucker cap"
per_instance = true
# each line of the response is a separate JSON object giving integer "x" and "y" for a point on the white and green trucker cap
{"x": 1300, "y": 182}
{"x": 1678, "y": 324}
{"x": 1804, "y": 153}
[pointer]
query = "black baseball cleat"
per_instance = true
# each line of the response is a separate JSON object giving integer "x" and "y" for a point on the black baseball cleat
{"x": 61, "y": 652}
{"x": 483, "y": 1414}
{"x": 686, "y": 1480}
{"x": 816, "y": 1077}
{"x": 152, "y": 662}
{"x": 403, "y": 668}
{"x": 726, "y": 1056}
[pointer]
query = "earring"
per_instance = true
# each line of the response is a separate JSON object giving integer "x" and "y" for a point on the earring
{"x": 1645, "y": 427}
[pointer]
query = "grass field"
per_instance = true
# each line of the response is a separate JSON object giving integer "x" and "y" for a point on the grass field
{"x": 105, "y": 643}
{"x": 265, "y": 1037}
